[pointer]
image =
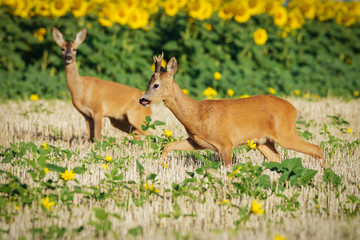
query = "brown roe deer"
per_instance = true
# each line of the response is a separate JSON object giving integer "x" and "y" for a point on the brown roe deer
{"x": 221, "y": 125}
{"x": 95, "y": 98}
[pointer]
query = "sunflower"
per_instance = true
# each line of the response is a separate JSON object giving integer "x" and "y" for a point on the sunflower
{"x": 196, "y": 9}
{"x": 271, "y": 6}
{"x": 295, "y": 19}
{"x": 42, "y": 9}
{"x": 260, "y": 36}
{"x": 256, "y": 7}
{"x": 152, "y": 6}
{"x": 80, "y": 8}
{"x": 241, "y": 12}
{"x": 59, "y": 8}
{"x": 226, "y": 11}
{"x": 122, "y": 15}
{"x": 280, "y": 16}
{"x": 171, "y": 7}
{"x": 138, "y": 19}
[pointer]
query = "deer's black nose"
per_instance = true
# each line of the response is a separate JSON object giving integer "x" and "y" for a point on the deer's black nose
{"x": 68, "y": 57}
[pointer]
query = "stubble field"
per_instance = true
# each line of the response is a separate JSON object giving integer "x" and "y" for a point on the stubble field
{"x": 190, "y": 196}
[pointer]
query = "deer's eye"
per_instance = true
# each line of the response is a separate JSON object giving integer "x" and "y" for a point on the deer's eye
{"x": 63, "y": 49}
{"x": 156, "y": 86}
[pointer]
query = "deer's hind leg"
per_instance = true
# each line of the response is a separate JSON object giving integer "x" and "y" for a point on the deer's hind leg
{"x": 269, "y": 151}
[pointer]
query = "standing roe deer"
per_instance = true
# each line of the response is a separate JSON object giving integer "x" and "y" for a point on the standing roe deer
{"x": 95, "y": 98}
{"x": 221, "y": 125}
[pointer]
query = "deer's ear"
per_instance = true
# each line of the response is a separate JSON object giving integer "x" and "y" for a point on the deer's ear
{"x": 58, "y": 37}
{"x": 80, "y": 36}
{"x": 172, "y": 66}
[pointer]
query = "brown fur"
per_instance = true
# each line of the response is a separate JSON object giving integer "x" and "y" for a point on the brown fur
{"x": 95, "y": 98}
{"x": 221, "y": 125}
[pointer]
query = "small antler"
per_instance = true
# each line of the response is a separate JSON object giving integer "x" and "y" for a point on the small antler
{"x": 158, "y": 61}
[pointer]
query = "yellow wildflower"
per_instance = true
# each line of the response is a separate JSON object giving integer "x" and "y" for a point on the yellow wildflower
{"x": 185, "y": 91}
{"x": 349, "y": 130}
{"x": 44, "y": 145}
{"x": 105, "y": 166}
{"x": 272, "y": 90}
{"x": 150, "y": 188}
{"x": 245, "y": 96}
{"x": 356, "y": 93}
{"x": 226, "y": 201}
{"x": 256, "y": 208}
{"x": 16, "y": 207}
{"x": 164, "y": 164}
{"x": 46, "y": 170}
{"x": 108, "y": 158}
{"x": 307, "y": 95}
{"x": 260, "y": 36}
{"x": 167, "y": 133}
{"x": 210, "y": 92}
{"x": 39, "y": 34}
{"x": 297, "y": 92}
{"x": 278, "y": 237}
{"x": 163, "y": 64}
{"x": 68, "y": 175}
{"x": 230, "y": 92}
{"x": 251, "y": 144}
{"x": 209, "y": 27}
{"x": 34, "y": 97}
{"x": 47, "y": 204}
{"x": 217, "y": 75}
{"x": 231, "y": 175}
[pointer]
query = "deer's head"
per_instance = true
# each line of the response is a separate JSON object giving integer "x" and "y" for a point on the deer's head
{"x": 69, "y": 49}
{"x": 161, "y": 82}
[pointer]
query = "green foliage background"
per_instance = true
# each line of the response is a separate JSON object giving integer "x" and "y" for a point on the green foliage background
{"x": 321, "y": 58}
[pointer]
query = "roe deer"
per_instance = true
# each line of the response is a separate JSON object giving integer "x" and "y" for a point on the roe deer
{"x": 221, "y": 125}
{"x": 95, "y": 98}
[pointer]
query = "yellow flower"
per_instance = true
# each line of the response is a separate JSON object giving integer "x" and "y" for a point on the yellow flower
{"x": 16, "y": 207}
{"x": 150, "y": 188}
{"x": 230, "y": 92}
{"x": 105, "y": 166}
{"x": 356, "y": 93}
{"x": 138, "y": 19}
{"x": 217, "y": 75}
{"x": 226, "y": 11}
{"x": 185, "y": 91}
{"x": 260, "y": 36}
{"x": 80, "y": 8}
{"x": 210, "y": 92}
{"x": 278, "y": 237}
{"x": 163, "y": 64}
{"x": 245, "y": 96}
{"x": 47, "y": 204}
{"x": 209, "y": 27}
{"x": 295, "y": 19}
{"x": 68, "y": 175}
{"x": 231, "y": 175}
{"x": 39, "y": 34}
{"x": 171, "y": 7}
{"x": 105, "y": 22}
{"x": 226, "y": 201}
{"x": 241, "y": 12}
{"x": 44, "y": 145}
{"x": 167, "y": 133}
{"x": 297, "y": 92}
{"x": 108, "y": 158}
{"x": 256, "y": 6}
{"x": 42, "y": 8}
{"x": 307, "y": 95}
{"x": 34, "y": 97}
{"x": 280, "y": 16}
{"x": 46, "y": 170}
{"x": 272, "y": 90}
{"x": 349, "y": 130}
{"x": 251, "y": 144}
{"x": 164, "y": 164}
{"x": 256, "y": 208}
{"x": 59, "y": 8}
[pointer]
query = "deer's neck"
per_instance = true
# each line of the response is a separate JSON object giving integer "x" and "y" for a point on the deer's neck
{"x": 73, "y": 79}
{"x": 182, "y": 106}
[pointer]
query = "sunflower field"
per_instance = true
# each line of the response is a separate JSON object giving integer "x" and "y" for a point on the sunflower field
{"x": 234, "y": 48}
